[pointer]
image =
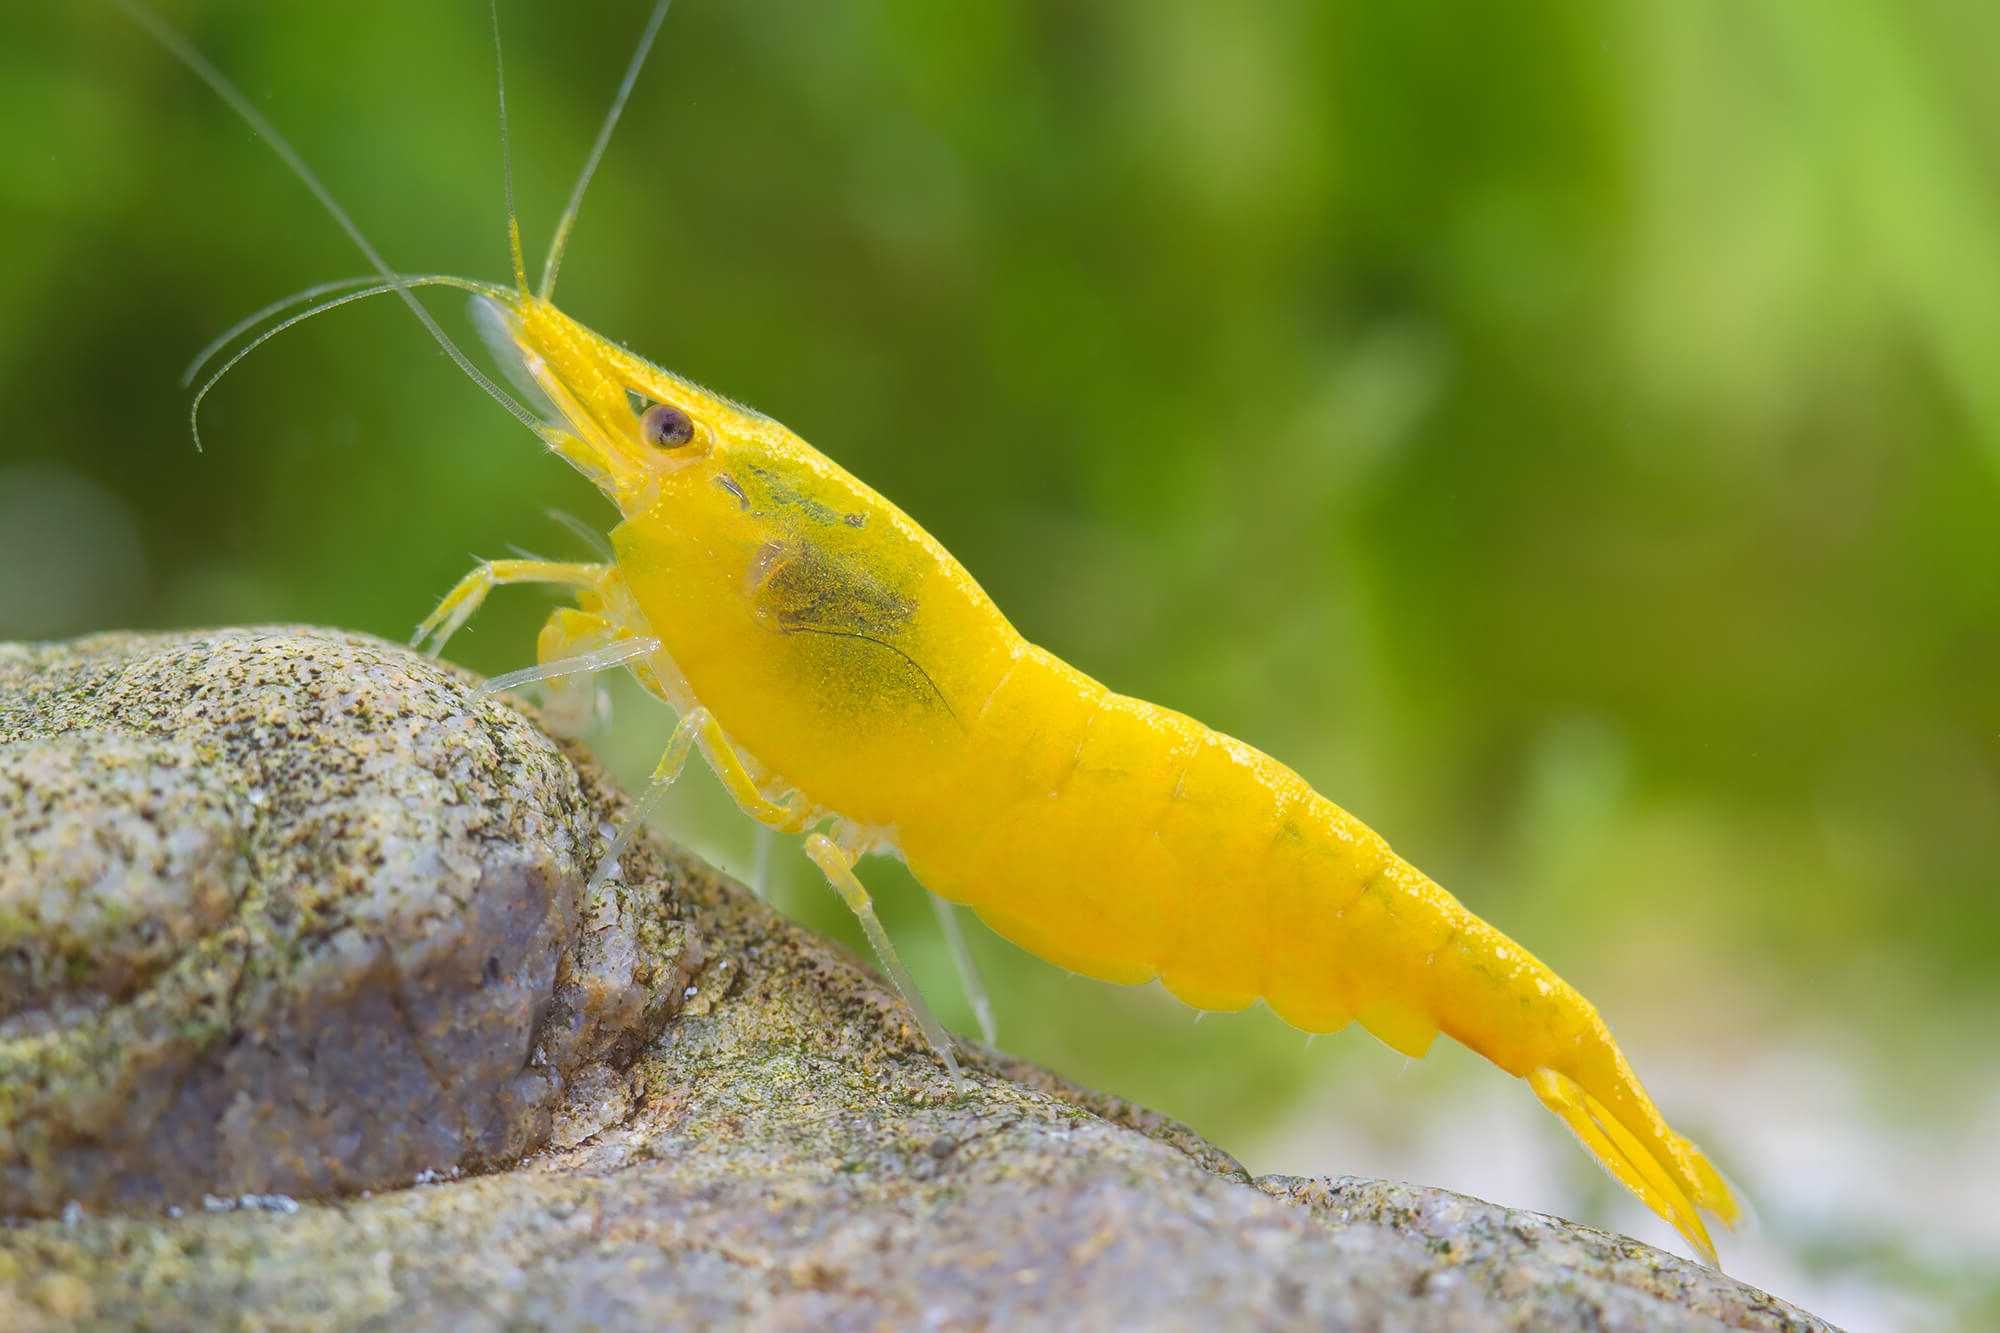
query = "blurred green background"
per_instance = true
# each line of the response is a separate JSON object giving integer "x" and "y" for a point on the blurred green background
{"x": 1568, "y": 434}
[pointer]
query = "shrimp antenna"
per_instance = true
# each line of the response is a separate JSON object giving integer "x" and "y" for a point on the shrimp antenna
{"x": 568, "y": 219}
{"x": 178, "y": 47}
{"x": 332, "y": 303}
{"x": 258, "y": 316}
{"x": 507, "y": 156}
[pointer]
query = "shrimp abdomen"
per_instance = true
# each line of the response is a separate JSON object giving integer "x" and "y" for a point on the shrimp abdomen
{"x": 1037, "y": 830}
{"x": 1127, "y": 842}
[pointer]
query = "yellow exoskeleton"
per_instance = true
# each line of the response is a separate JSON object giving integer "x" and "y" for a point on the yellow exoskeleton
{"x": 848, "y": 680}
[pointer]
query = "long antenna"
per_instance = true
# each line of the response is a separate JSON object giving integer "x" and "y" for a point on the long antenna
{"x": 177, "y": 47}
{"x": 507, "y": 156}
{"x": 313, "y": 312}
{"x": 258, "y": 316}
{"x": 568, "y": 219}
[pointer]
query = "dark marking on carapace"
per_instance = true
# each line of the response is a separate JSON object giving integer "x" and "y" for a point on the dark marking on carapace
{"x": 802, "y": 587}
{"x": 800, "y": 582}
{"x": 785, "y": 495}
{"x": 912, "y": 662}
{"x": 730, "y": 484}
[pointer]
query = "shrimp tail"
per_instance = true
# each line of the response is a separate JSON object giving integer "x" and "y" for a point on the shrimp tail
{"x": 1673, "y": 1184}
{"x": 1495, "y": 997}
{"x": 1573, "y": 1064}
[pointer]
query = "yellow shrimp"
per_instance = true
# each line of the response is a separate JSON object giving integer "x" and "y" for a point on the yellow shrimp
{"x": 848, "y": 680}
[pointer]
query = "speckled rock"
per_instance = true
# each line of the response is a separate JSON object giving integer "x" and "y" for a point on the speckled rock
{"x": 324, "y": 852}
{"x": 287, "y": 913}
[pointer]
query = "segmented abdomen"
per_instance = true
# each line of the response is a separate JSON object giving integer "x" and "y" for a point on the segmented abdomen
{"x": 1127, "y": 841}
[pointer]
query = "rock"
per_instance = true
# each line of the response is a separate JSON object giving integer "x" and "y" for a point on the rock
{"x": 289, "y": 915}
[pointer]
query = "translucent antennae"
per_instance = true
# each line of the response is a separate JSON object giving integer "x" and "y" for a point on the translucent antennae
{"x": 402, "y": 284}
{"x": 507, "y": 156}
{"x": 252, "y": 320}
{"x": 177, "y": 47}
{"x": 568, "y": 219}
{"x": 583, "y": 532}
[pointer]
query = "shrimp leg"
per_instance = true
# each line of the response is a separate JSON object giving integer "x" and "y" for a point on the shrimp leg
{"x": 835, "y": 861}
{"x": 664, "y": 775}
{"x": 574, "y": 646}
{"x": 466, "y": 596}
{"x": 735, "y": 777}
{"x": 837, "y": 864}
{"x": 969, "y": 978}
{"x": 760, "y": 863}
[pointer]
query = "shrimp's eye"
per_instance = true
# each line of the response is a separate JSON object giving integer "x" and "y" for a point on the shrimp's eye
{"x": 665, "y": 427}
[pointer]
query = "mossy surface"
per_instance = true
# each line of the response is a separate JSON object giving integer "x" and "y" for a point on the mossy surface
{"x": 695, "y": 1113}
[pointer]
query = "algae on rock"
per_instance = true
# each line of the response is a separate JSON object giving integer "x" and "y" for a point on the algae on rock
{"x": 288, "y": 914}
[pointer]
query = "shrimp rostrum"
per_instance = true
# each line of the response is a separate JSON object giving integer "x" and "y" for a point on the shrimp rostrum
{"x": 849, "y": 681}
